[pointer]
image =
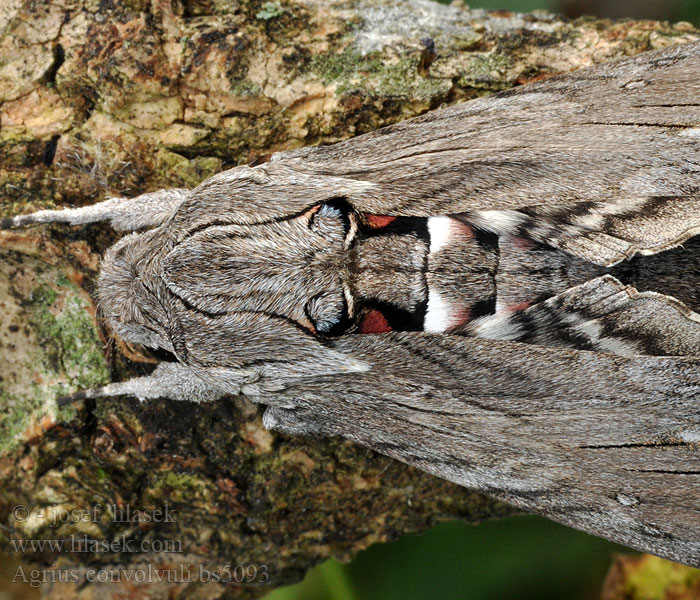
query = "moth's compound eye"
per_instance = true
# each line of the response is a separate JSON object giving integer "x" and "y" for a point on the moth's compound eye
{"x": 328, "y": 313}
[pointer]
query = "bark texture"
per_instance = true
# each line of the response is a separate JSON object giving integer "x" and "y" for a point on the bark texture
{"x": 102, "y": 98}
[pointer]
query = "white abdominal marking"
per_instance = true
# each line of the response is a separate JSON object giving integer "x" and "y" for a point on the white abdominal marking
{"x": 437, "y": 313}
{"x": 437, "y": 318}
{"x": 439, "y": 229}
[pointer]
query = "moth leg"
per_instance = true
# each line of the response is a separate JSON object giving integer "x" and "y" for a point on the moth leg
{"x": 169, "y": 380}
{"x": 602, "y": 314}
{"x": 125, "y": 214}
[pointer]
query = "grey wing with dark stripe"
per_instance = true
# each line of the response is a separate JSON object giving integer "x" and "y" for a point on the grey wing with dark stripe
{"x": 625, "y": 129}
{"x": 603, "y": 162}
{"x": 602, "y": 443}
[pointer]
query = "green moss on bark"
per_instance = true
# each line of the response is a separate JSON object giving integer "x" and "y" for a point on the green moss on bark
{"x": 51, "y": 344}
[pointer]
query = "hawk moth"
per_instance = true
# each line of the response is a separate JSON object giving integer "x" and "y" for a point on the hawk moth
{"x": 501, "y": 293}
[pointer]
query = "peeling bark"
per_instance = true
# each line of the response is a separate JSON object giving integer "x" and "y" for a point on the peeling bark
{"x": 118, "y": 98}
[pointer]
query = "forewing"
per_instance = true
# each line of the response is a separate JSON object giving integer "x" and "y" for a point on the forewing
{"x": 602, "y": 443}
{"x": 603, "y": 162}
{"x": 617, "y": 130}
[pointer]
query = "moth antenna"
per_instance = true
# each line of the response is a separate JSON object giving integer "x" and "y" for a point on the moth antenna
{"x": 125, "y": 214}
{"x": 169, "y": 380}
{"x": 71, "y": 398}
{"x": 124, "y": 388}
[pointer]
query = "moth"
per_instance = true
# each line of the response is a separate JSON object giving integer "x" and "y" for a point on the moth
{"x": 502, "y": 293}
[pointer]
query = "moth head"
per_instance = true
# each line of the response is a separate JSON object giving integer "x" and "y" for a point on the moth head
{"x": 134, "y": 308}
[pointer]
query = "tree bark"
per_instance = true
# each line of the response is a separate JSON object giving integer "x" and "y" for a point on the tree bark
{"x": 107, "y": 98}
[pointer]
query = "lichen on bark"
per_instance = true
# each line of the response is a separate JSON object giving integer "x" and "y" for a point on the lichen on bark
{"x": 49, "y": 344}
{"x": 117, "y": 98}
